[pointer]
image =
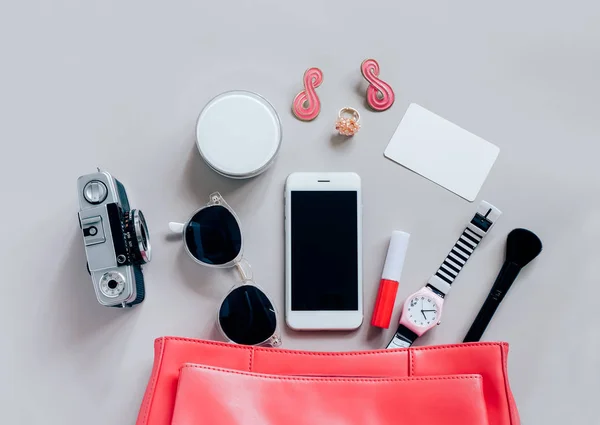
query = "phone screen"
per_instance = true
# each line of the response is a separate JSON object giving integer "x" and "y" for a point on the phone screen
{"x": 324, "y": 250}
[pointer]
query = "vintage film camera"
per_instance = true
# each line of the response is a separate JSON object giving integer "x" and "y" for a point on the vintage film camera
{"x": 116, "y": 240}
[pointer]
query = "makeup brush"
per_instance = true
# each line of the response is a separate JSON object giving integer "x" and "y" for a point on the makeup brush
{"x": 522, "y": 246}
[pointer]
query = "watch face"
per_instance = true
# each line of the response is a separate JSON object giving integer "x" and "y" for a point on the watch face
{"x": 423, "y": 311}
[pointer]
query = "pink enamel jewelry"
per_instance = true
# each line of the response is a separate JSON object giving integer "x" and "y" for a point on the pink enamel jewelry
{"x": 380, "y": 95}
{"x": 306, "y": 105}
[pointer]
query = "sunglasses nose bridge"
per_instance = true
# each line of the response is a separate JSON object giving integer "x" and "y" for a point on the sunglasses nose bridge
{"x": 245, "y": 270}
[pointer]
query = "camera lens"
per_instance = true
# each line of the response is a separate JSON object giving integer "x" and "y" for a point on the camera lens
{"x": 137, "y": 237}
{"x": 144, "y": 236}
{"x": 112, "y": 284}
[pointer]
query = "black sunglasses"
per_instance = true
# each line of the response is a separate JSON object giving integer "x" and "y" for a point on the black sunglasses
{"x": 213, "y": 237}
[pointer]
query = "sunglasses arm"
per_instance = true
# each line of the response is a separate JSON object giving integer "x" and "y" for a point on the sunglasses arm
{"x": 176, "y": 227}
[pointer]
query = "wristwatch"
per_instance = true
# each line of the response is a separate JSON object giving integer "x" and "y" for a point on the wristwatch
{"x": 423, "y": 309}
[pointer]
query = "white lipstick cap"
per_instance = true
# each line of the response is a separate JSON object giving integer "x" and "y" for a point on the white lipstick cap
{"x": 394, "y": 261}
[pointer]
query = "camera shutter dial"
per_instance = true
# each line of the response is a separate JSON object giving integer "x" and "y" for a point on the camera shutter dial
{"x": 112, "y": 284}
{"x": 95, "y": 192}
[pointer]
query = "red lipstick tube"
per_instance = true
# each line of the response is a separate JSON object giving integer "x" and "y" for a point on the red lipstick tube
{"x": 390, "y": 280}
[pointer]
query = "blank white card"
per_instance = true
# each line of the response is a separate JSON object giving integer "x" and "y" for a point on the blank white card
{"x": 442, "y": 152}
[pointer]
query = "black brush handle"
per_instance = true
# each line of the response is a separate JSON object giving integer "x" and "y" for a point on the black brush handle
{"x": 505, "y": 279}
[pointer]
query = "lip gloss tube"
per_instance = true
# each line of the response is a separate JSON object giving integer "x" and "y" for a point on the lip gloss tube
{"x": 390, "y": 280}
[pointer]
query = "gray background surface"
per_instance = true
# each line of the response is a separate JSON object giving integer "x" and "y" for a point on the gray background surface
{"x": 119, "y": 84}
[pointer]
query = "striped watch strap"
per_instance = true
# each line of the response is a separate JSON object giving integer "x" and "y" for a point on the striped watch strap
{"x": 485, "y": 217}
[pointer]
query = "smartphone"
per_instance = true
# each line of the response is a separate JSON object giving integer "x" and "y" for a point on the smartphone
{"x": 323, "y": 250}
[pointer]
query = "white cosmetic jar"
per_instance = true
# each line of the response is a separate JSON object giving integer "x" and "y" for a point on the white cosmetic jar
{"x": 238, "y": 134}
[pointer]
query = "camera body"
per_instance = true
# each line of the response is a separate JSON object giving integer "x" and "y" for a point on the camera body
{"x": 116, "y": 240}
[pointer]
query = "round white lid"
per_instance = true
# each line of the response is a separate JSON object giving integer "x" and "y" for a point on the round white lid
{"x": 238, "y": 133}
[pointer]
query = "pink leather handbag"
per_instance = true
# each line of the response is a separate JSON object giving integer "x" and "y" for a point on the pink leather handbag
{"x": 197, "y": 382}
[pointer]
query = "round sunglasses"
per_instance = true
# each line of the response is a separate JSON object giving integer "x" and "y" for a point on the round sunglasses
{"x": 213, "y": 237}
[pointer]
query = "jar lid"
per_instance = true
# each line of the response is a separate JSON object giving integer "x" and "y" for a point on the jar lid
{"x": 238, "y": 134}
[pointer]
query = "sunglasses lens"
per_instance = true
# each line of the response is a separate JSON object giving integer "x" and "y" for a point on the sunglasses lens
{"x": 213, "y": 235}
{"x": 247, "y": 316}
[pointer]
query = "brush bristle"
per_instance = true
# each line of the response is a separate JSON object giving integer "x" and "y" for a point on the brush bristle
{"x": 522, "y": 246}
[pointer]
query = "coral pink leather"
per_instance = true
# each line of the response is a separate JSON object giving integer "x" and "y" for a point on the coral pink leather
{"x": 485, "y": 359}
{"x": 208, "y": 395}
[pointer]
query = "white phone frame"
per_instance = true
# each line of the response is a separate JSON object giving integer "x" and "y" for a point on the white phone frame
{"x": 322, "y": 320}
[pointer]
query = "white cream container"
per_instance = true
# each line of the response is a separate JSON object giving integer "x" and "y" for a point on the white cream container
{"x": 238, "y": 134}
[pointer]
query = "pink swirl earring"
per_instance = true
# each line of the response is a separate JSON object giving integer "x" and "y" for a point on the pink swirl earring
{"x": 306, "y": 105}
{"x": 380, "y": 95}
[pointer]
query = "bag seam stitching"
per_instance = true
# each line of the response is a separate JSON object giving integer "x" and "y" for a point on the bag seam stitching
{"x": 337, "y": 354}
{"x": 475, "y": 377}
{"x": 154, "y": 381}
{"x": 506, "y": 386}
